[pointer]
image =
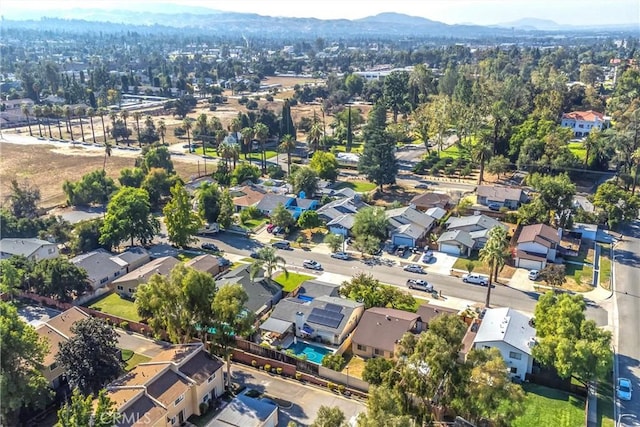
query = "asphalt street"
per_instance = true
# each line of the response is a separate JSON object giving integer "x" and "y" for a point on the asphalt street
{"x": 394, "y": 275}
{"x": 627, "y": 310}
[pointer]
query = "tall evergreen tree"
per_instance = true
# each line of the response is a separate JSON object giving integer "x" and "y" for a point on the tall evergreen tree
{"x": 286, "y": 122}
{"x": 378, "y": 161}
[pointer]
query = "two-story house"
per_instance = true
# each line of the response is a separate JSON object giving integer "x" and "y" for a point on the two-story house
{"x": 169, "y": 388}
{"x": 380, "y": 330}
{"x": 32, "y": 249}
{"x": 509, "y": 331}
{"x": 582, "y": 123}
{"x": 509, "y": 197}
{"x": 537, "y": 245}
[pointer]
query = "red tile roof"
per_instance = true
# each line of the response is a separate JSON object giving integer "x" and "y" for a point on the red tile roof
{"x": 587, "y": 116}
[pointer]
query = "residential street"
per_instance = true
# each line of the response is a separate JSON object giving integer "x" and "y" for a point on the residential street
{"x": 627, "y": 316}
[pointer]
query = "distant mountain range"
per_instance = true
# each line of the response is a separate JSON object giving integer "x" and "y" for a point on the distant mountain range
{"x": 218, "y": 22}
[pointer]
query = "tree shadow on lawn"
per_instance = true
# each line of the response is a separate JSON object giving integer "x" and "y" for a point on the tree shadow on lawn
{"x": 554, "y": 394}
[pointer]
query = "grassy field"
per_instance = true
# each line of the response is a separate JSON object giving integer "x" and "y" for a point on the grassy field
{"x": 452, "y": 152}
{"x": 256, "y": 156}
{"x": 293, "y": 281}
{"x": 133, "y": 359}
{"x": 586, "y": 254}
{"x": 117, "y": 306}
{"x": 578, "y": 150}
{"x": 546, "y": 406}
{"x": 359, "y": 186}
{"x": 605, "y": 266}
{"x": 482, "y": 268}
{"x": 355, "y": 148}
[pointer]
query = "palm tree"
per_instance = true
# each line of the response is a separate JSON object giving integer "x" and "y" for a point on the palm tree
{"x": 162, "y": 130}
{"x": 314, "y": 136}
{"x": 224, "y": 152}
{"x": 481, "y": 153}
{"x": 113, "y": 116}
{"x": 261, "y": 132}
{"x": 67, "y": 114}
{"x": 124, "y": 114}
{"x": 269, "y": 261}
{"x": 221, "y": 134}
{"x": 493, "y": 254}
{"x": 287, "y": 145}
{"x": 37, "y": 112}
{"x": 235, "y": 126}
{"x": 247, "y": 135}
{"x": 202, "y": 125}
{"x": 80, "y": 112}
{"x": 187, "y": 125}
{"x": 590, "y": 144}
{"x": 27, "y": 113}
{"x": 235, "y": 153}
{"x": 107, "y": 153}
{"x": 47, "y": 112}
{"x": 58, "y": 112}
{"x": 91, "y": 112}
{"x": 137, "y": 115}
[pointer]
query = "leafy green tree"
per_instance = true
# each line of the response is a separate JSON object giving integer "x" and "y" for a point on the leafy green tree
{"x": 90, "y": 358}
{"x": 325, "y": 165}
{"x": 334, "y": 241}
{"x": 556, "y": 194}
{"x": 86, "y": 236}
{"x": 364, "y": 288}
{"x": 378, "y": 161}
{"x": 58, "y": 278}
{"x": 269, "y": 261}
{"x": 367, "y": 244}
{"x": 566, "y": 340}
{"x": 131, "y": 177}
{"x": 94, "y": 187}
{"x": 371, "y": 221}
{"x": 494, "y": 254}
{"x": 498, "y": 165}
{"x": 22, "y": 355}
{"x": 245, "y": 172}
{"x": 181, "y": 221}
{"x": 231, "y": 319}
{"x": 286, "y": 122}
{"x": 208, "y": 197}
{"x": 80, "y": 412}
{"x": 329, "y": 416}
{"x": 23, "y": 200}
{"x": 179, "y": 304}
{"x": 618, "y": 206}
{"x": 158, "y": 183}
{"x": 553, "y": 274}
{"x": 304, "y": 179}
{"x": 333, "y": 361}
{"x": 156, "y": 157}
{"x": 282, "y": 217}
{"x": 10, "y": 278}
{"x": 129, "y": 217}
{"x": 396, "y": 92}
{"x": 385, "y": 408}
{"x": 309, "y": 219}
{"x": 375, "y": 370}
{"x": 225, "y": 217}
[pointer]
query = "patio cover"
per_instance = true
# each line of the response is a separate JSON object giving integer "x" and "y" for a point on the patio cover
{"x": 275, "y": 325}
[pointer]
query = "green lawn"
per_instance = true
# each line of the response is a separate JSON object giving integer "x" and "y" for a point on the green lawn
{"x": 133, "y": 359}
{"x": 210, "y": 152}
{"x": 117, "y": 306}
{"x": 605, "y": 266}
{"x": 257, "y": 156}
{"x": 453, "y": 152}
{"x": 358, "y": 186}
{"x": 549, "y": 407}
{"x": 605, "y": 404}
{"x": 577, "y": 148}
{"x": 581, "y": 274}
{"x": 254, "y": 223}
{"x": 355, "y": 148}
{"x": 293, "y": 281}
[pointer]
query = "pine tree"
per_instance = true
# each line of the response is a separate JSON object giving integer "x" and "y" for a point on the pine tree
{"x": 378, "y": 161}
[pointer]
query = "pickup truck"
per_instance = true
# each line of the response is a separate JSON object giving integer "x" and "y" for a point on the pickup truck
{"x": 476, "y": 279}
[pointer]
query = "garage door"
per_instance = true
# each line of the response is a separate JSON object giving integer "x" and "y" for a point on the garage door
{"x": 529, "y": 264}
{"x": 402, "y": 240}
{"x": 449, "y": 249}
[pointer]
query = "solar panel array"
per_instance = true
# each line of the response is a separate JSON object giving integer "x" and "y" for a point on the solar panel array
{"x": 328, "y": 318}
{"x": 333, "y": 307}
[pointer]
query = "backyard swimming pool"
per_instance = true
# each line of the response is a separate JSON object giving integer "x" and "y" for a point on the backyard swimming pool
{"x": 314, "y": 353}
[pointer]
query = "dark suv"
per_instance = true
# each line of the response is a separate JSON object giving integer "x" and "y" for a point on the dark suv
{"x": 282, "y": 245}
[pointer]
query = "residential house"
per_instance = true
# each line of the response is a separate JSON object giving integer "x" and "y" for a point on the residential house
{"x": 380, "y": 330}
{"x": 102, "y": 267}
{"x": 246, "y": 196}
{"x": 330, "y": 319}
{"x": 509, "y": 197}
{"x": 169, "y": 388}
{"x": 11, "y": 113}
{"x": 32, "y": 249}
{"x": 509, "y": 331}
{"x": 135, "y": 257}
{"x": 585, "y": 231}
{"x": 408, "y": 226}
{"x": 246, "y": 411}
{"x": 263, "y": 292}
{"x": 316, "y": 288}
{"x": 436, "y": 213}
{"x": 56, "y": 331}
{"x": 456, "y": 242}
{"x": 205, "y": 263}
{"x": 477, "y": 226}
{"x": 339, "y": 213}
{"x": 427, "y": 201}
{"x": 428, "y": 312}
{"x": 126, "y": 285}
{"x": 537, "y": 245}
{"x": 295, "y": 205}
{"x": 582, "y": 122}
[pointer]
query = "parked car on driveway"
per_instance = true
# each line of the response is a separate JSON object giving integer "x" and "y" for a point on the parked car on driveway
{"x": 282, "y": 245}
{"x": 534, "y": 274}
{"x": 476, "y": 279}
{"x": 270, "y": 228}
{"x": 413, "y": 268}
{"x": 341, "y": 255}
{"x": 624, "y": 389}
{"x": 494, "y": 206}
{"x": 311, "y": 264}
{"x": 210, "y": 247}
{"x": 420, "y": 285}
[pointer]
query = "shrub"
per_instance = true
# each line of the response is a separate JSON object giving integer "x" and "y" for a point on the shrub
{"x": 254, "y": 363}
{"x": 341, "y": 388}
{"x": 204, "y": 407}
{"x": 331, "y": 386}
{"x": 333, "y": 361}
{"x": 279, "y": 370}
{"x": 269, "y": 98}
{"x": 212, "y": 108}
{"x": 298, "y": 376}
{"x": 243, "y": 100}
{"x": 252, "y": 105}
{"x": 124, "y": 325}
{"x": 179, "y": 131}
{"x": 267, "y": 367}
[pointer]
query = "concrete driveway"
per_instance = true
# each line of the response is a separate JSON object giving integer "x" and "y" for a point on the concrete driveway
{"x": 443, "y": 265}
{"x": 306, "y": 400}
{"x": 520, "y": 280}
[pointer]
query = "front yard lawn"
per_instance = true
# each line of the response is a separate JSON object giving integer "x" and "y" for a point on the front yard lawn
{"x": 550, "y": 407}
{"x": 258, "y": 155}
{"x": 577, "y": 148}
{"x": 133, "y": 359}
{"x": 579, "y": 277}
{"x": 254, "y": 223}
{"x": 605, "y": 266}
{"x": 355, "y": 364}
{"x": 293, "y": 281}
{"x": 358, "y": 186}
{"x": 481, "y": 268}
{"x": 116, "y": 305}
{"x": 586, "y": 254}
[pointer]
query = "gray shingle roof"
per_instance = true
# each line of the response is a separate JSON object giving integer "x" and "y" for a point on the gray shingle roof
{"x": 287, "y": 308}
{"x": 499, "y": 193}
{"x": 479, "y": 220}
{"x": 271, "y": 201}
{"x": 260, "y": 291}
{"x": 98, "y": 264}
{"x": 459, "y": 236}
{"x": 24, "y": 247}
{"x": 317, "y": 288}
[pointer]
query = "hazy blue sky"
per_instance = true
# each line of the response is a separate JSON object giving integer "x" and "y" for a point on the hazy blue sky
{"x": 572, "y": 12}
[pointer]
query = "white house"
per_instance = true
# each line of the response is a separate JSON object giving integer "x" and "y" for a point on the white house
{"x": 32, "y": 249}
{"x": 510, "y": 332}
{"x": 537, "y": 245}
{"x": 582, "y": 122}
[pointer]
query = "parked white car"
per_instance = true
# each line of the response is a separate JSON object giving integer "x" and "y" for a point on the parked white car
{"x": 476, "y": 279}
{"x": 313, "y": 265}
{"x": 534, "y": 274}
{"x": 420, "y": 285}
{"x": 341, "y": 255}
